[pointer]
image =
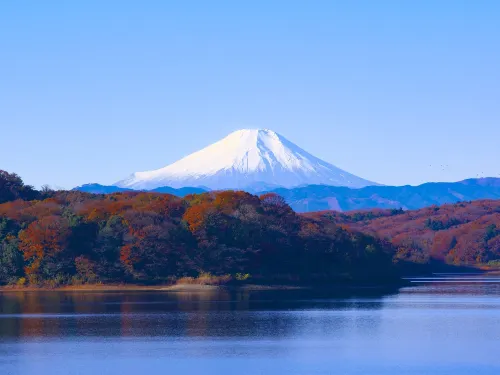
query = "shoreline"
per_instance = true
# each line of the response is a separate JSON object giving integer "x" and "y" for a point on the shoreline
{"x": 190, "y": 287}
{"x": 149, "y": 288}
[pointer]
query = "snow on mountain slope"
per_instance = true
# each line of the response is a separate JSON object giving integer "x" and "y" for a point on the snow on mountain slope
{"x": 243, "y": 158}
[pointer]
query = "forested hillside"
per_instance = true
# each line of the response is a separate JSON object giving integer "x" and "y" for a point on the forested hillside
{"x": 71, "y": 237}
{"x": 466, "y": 233}
{"x": 74, "y": 237}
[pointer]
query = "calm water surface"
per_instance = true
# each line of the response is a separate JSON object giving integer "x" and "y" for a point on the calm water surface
{"x": 443, "y": 325}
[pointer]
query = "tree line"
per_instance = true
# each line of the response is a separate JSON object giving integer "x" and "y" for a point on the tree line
{"x": 69, "y": 237}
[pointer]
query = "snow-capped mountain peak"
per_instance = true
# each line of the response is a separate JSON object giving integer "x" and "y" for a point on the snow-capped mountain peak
{"x": 243, "y": 158}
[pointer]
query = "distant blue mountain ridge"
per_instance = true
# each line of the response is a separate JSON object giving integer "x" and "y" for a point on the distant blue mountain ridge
{"x": 109, "y": 189}
{"x": 339, "y": 198}
{"x": 320, "y": 197}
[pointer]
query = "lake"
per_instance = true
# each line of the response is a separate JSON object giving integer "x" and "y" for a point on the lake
{"x": 448, "y": 324}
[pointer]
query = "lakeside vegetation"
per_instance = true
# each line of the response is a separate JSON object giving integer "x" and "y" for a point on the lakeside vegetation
{"x": 53, "y": 239}
{"x": 70, "y": 238}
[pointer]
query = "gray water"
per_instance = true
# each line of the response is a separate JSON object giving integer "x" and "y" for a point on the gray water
{"x": 443, "y": 325}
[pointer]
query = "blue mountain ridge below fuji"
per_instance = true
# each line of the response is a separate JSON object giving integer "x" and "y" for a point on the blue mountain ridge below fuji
{"x": 110, "y": 189}
{"x": 339, "y": 198}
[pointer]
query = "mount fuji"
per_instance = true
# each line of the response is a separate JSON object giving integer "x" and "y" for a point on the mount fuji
{"x": 245, "y": 158}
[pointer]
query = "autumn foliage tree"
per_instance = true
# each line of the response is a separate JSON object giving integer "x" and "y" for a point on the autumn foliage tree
{"x": 42, "y": 243}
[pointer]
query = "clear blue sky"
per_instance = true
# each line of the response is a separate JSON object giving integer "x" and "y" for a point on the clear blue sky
{"x": 91, "y": 91}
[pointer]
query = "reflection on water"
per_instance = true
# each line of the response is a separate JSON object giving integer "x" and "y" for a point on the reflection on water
{"x": 449, "y": 324}
{"x": 32, "y": 314}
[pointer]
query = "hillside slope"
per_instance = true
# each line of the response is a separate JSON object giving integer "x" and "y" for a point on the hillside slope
{"x": 458, "y": 234}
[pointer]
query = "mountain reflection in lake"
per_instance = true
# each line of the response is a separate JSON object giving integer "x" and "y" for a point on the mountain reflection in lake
{"x": 430, "y": 327}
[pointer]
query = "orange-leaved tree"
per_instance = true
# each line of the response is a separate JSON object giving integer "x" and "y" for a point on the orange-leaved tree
{"x": 40, "y": 243}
